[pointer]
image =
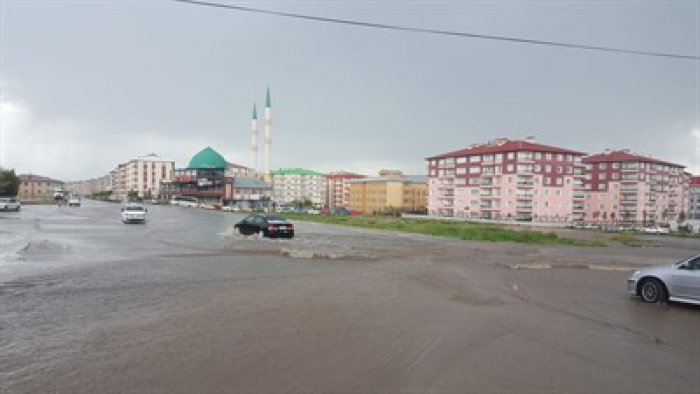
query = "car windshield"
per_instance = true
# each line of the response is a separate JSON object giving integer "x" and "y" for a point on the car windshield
{"x": 134, "y": 209}
{"x": 275, "y": 219}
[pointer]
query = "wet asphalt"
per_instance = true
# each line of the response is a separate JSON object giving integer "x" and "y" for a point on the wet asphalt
{"x": 182, "y": 304}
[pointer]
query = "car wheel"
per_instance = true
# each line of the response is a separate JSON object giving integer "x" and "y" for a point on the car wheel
{"x": 652, "y": 291}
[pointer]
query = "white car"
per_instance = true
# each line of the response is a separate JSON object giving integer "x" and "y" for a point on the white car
{"x": 74, "y": 201}
{"x": 10, "y": 204}
{"x": 676, "y": 282}
{"x": 134, "y": 214}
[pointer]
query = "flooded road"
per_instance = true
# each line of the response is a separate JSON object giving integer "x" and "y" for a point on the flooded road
{"x": 184, "y": 305}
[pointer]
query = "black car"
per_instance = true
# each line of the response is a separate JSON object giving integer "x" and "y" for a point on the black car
{"x": 267, "y": 225}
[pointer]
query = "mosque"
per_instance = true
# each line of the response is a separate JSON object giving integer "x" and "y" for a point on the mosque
{"x": 209, "y": 180}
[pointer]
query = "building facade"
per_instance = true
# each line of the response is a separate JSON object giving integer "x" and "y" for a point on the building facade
{"x": 204, "y": 179}
{"x": 142, "y": 175}
{"x": 298, "y": 184}
{"x": 338, "y": 189}
{"x": 694, "y": 198}
{"x": 622, "y": 186}
{"x": 248, "y": 194}
{"x": 388, "y": 193}
{"x": 37, "y": 187}
{"x": 507, "y": 180}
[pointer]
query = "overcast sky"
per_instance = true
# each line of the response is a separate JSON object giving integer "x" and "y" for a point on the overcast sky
{"x": 87, "y": 85}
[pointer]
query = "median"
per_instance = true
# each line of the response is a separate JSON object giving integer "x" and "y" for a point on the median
{"x": 452, "y": 229}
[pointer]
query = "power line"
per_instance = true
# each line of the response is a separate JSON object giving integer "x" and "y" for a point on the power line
{"x": 436, "y": 31}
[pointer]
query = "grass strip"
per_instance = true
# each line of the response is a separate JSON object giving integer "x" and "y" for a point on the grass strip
{"x": 628, "y": 239}
{"x": 452, "y": 229}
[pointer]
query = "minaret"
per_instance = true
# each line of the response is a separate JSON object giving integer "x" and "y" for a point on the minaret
{"x": 268, "y": 131}
{"x": 255, "y": 139}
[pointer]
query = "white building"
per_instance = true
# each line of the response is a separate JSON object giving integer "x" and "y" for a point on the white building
{"x": 143, "y": 175}
{"x": 298, "y": 184}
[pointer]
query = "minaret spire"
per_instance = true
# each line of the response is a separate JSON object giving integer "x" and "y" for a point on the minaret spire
{"x": 255, "y": 139}
{"x": 268, "y": 131}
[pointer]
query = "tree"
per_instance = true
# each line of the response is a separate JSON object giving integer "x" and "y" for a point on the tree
{"x": 9, "y": 183}
{"x": 132, "y": 195}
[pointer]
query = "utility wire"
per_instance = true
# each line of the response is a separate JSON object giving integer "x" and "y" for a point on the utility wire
{"x": 437, "y": 32}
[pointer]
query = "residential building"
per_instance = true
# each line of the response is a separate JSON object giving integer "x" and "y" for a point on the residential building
{"x": 694, "y": 198}
{"x": 388, "y": 193}
{"x": 298, "y": 184}
{"x": 507, "y": 180}
{"x": 338, "y": 188}
{"x": 90, "y": 186}
{"x": 628, "y": 187}
{"x": 37, "y": 187}
{"x": 143, "y": 175}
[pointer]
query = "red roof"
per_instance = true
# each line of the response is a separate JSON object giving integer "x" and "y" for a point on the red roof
{"x": 234, "y": 165}
{"x": 502, "y": 146}
{"x": 695, "y": 181}
{"x": 344, "y": 174}
{"x": 624, "y": 156}
{"x": 36, "y": 178}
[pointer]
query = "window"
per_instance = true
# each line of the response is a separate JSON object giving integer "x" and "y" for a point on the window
{"x": 474, "y": 170}
{"x": 510, "y": 168}
{"x": 559, "y": 170}
{"x": 602, "y": 166}
{"x": 602, "y": 176}
{"x": 461, "y": 170}
{"x": 538, "y": 168}
{"x": 615, "y": 166}
{"x": 511, "y": 155}
{"x": 499, "y": 157}
{"x": 559, "y": 181}
{"x": 474, "y": 159}
{"x": 548, "y": 156}
{"x": 461, "y": 160}
{"x": 560, "y": 157}
{"x": 547, "y": 168}
{"x": 538, "y": 155}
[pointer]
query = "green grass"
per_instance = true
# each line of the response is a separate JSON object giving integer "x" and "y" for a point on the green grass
{"x": 628, "y": 239}
{"x": 452, "y": 229}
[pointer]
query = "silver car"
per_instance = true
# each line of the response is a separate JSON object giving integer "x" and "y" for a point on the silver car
{"x": 676, "y": 282}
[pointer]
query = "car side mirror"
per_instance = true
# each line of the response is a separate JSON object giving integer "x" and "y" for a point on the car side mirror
{"x": 145, "y": 210}
{"x": 684, "y": 266}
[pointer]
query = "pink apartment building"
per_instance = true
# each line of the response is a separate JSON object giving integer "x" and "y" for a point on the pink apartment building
{"x": 507, "y": 180}
{"x": 621, "y": 186}
{"x": 338, "y": 191}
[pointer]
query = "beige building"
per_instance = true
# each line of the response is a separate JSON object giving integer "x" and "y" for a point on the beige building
{"x": 389, "y": 192}
{"x": 37, "y": 187}
{"x": 142, "y": 175}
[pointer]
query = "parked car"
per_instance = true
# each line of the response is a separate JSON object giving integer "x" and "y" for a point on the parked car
{"x": 10, "y": 204}
{"x": 74, "y": 201}
{"x": 676, "y": 282}
{"x": 134, "y": 213}
{"x": 266, "y": 225}
{"x": 231, "y": 208}
{"x": 656, "y": 230}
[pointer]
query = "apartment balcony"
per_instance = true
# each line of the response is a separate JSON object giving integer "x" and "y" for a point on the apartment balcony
{"x": 579, "y": 196}
{"x": 578, "y": 207}
{"x": 525, "y": 207}
{"x": 526, "y": 184}
{"x": 523, "y": 195}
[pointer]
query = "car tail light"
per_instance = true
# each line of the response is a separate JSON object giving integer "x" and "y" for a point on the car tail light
{"x": 273, "y": 228}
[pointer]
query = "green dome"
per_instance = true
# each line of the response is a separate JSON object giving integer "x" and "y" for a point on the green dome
{"x": 208, "y": 158}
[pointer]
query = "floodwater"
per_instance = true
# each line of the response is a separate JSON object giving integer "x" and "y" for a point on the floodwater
{"x": 184, "y": 305}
